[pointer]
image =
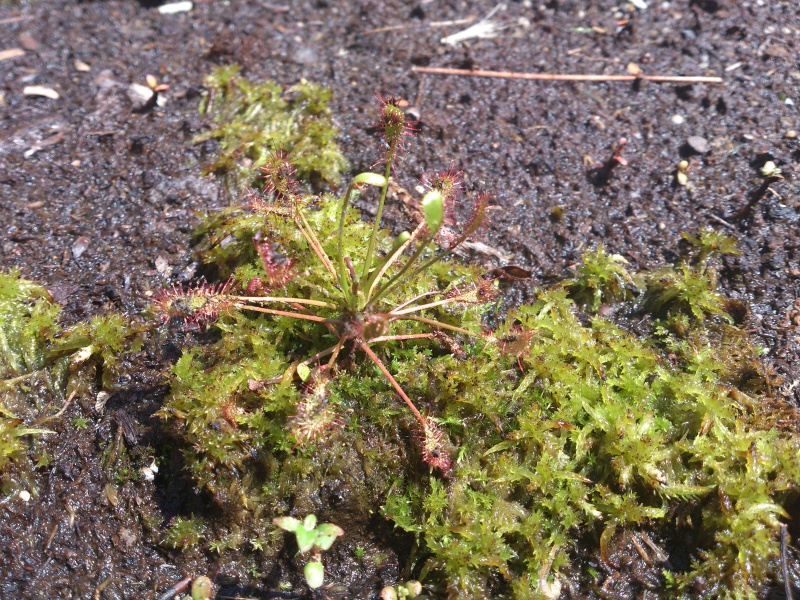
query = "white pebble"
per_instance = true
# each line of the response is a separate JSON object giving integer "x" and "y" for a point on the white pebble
{"x": 25, "y": 496}
{"x": 175, "y": 7}
{"x": 677, "y": 119}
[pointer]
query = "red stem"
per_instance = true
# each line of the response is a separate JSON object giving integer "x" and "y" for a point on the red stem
{"x": 392, "y": 380}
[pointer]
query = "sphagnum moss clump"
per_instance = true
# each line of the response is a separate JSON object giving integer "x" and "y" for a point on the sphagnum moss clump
{"x": 253, "y": 120}
{"x": 556, "y": 440}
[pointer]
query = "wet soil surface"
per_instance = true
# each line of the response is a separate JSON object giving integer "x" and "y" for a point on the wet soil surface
{"x": 99, "y": 194}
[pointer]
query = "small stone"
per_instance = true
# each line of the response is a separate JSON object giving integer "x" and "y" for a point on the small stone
{"x": 794, "y": 273}
{"x": 661, "y": 226}
{"x": 25, "y": 496}
{"x": 26, "y": 41}
{"x": 678, "y": 120}
{"x": 80, "y": 246}
{"x": 790, "y": 135}
{"x": 681, "y": 178}
{"x": 140, "y": 96}
{"x": 162, "y": 265}
{"x": 633, "y": 69}
{"x": 175, "y": 7}
{"x": 698, "y": 144}
{"x": 81, "y": 66}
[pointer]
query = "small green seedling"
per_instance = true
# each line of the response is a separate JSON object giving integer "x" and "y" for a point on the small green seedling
{"x": 680, "y": 175}
{"x": 409, "y": 589}
{"x": 202, "y": 588}
{"x": 770, "y": 170}
{"x": 314, "y": 538}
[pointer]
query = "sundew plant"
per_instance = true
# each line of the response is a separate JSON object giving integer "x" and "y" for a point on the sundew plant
{"x": 363, "y": 292}
{"x": 554, "y": 455}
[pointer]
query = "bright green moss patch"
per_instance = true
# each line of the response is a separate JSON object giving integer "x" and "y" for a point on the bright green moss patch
{"x": 42, "y": 365}
{"x": 254, "y": 119}
{"x": 568, "y": 438}
{"x": 601, "y": 279}
{"x": 28, "y": 318}
{"x": 564, "y": 449}
{"x": 598, "y": 432}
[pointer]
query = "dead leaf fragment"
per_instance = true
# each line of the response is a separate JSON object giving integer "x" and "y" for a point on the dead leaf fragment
{"x": 40, "y": 90}
{"x": 11, "y": 53}
{"x": 26, "y": 41}
{"x": 776, "y": 51}
{"x": 512, "y": 272}
{"x": 52, "y": 140}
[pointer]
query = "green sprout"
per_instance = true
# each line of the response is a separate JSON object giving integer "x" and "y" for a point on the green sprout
{"x": 314, "y": 538}
{"x": 409, "y": 589}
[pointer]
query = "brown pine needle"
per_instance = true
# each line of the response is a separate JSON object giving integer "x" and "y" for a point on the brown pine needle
{"x": 566, "y": 77}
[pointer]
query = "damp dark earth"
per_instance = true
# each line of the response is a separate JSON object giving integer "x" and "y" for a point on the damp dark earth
{"x": 112, "y": 183}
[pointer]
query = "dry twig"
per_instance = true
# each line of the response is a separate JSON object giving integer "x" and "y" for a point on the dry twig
{"x": 566, "y": 77}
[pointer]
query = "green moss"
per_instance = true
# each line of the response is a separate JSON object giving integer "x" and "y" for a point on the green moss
{"x": 600, "y": 432}
{"x": 184, "y": 534}
{"x": 106, "y": 341}
{"x": 28, "y": 319}
{"x": 39, "y": 362}
{"x": 601, "y": 279}
{"x": 254, "y": 119}
{"x": 563, "y": 433}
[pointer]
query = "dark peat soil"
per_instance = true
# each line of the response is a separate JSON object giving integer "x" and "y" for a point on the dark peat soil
{"x": 98, "y": 196}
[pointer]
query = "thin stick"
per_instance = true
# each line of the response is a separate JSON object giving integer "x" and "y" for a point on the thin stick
{"x": 14, "y": 20}
{"x": 784, "y": 564}
{"x": 566, "y": 77}
{"x": 432, "y": 24}
{"x": 67, "y": 402}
